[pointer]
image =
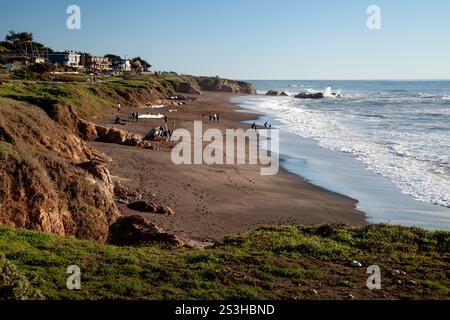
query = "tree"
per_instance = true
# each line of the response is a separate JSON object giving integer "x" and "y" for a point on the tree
{"x": 113, "y": 57}
{"x": 23, "y": 42}
{"x": 145, "y": 65}
{"x": 42, "y": 68}
{"x": 136, "y": 67}
{"x": 37, "y": 71}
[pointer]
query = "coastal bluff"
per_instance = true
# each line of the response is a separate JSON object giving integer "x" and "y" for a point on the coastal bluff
{"x": 195, "y": 85}
{"x": 52, "y": 179}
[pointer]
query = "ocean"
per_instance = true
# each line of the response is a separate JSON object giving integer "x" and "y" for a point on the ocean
{"x": 384, "y": 143}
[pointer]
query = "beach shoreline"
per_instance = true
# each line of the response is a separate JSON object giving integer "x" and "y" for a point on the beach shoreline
{"x": 213, "y": 201}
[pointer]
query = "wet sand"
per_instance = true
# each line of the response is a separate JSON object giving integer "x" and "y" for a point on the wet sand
{"x": 212, "y": 201}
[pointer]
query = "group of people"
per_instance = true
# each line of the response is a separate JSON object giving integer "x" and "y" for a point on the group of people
{"x": 135, "y": 117}
{"x": 266, "y": 126}
{"x": 214, "y": 117}
{"x": 159, "y": 134}
{"x": 119, "y": 121}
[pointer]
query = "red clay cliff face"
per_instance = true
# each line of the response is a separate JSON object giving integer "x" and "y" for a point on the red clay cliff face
{"x": 51, "y": 181}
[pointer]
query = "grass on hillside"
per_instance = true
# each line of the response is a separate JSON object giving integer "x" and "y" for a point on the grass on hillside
{"x": 91, "y": 99}
{"x": 269, "y": 263}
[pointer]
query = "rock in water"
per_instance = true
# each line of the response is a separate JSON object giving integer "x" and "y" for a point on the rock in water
{"x": 318, "y": 95}
{"x": 272, "y": 93}
{"x": 137, "y": 230}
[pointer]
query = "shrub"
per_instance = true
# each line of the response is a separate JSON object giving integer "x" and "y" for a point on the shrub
{"x": 13, "y": 285}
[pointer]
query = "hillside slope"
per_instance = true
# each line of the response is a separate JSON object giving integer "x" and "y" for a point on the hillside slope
{"x": 51, "y": 180}
{"x": 270, "y": 263}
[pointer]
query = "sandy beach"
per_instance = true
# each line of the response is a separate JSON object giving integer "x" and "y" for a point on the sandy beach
{"x": 212, "y": 201}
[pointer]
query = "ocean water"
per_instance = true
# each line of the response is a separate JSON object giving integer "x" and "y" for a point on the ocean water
{"x": 386, "y": 143}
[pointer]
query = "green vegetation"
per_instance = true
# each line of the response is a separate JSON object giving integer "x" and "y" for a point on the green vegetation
{"x": 145, "y": 65}
{"x": 268, "y": 263}
{"x": 89, "y": 99}
{"x": 46, "y": 97}
{"x": 38, "y": 71}
{"x": 22, "y": 41}
{"x": 14, "y": 285}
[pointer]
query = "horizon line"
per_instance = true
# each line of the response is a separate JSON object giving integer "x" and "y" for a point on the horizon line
{"x": 400, "y": 79}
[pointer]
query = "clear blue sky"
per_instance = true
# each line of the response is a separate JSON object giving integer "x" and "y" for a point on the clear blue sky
{"x": 252, "y": 39}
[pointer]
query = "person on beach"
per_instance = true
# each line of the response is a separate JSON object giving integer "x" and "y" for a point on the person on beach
{"x": 210, "y": 117}
{"x": 119, "y": 121}
{"x": 265, "y": 125}
{"x": 218, "y": 118}
{"x": 119, "y": 107}
{"x": 254, "y": 126}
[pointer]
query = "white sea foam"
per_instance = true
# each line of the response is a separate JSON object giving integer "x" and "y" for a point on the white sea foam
{"x": 417, "y": 161}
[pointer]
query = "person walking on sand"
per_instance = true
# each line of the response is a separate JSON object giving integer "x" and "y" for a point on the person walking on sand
{"x": 210, "y": 117}
{"x": 218, "y": 118}
{"x": 119, "y": 107}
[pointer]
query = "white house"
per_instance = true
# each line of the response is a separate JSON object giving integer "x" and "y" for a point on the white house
{"x": 122, "y": 65}
{"x": 66, "y": 59}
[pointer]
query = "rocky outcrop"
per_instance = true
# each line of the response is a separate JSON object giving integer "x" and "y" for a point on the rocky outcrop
{"x": 120, "y": 190}
{"x": 98, "y": 171}
{"x": 275, "y": 93}
{"x": 304, "y": 95}
{"x": 112, "y": 135}
{"x": 225, "y": 85}
{"x": 246, "y": 87}
{"x": 195, "y": 85}
{"x": 189, "y": 87}
{"x": 120, "y": 136}
{"x": 137, "y": 230}
{"x": 150, "y": 207}
{"x": 50, "y": 180}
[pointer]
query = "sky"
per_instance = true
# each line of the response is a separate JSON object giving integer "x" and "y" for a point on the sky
{"x": 251, "y": 39}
